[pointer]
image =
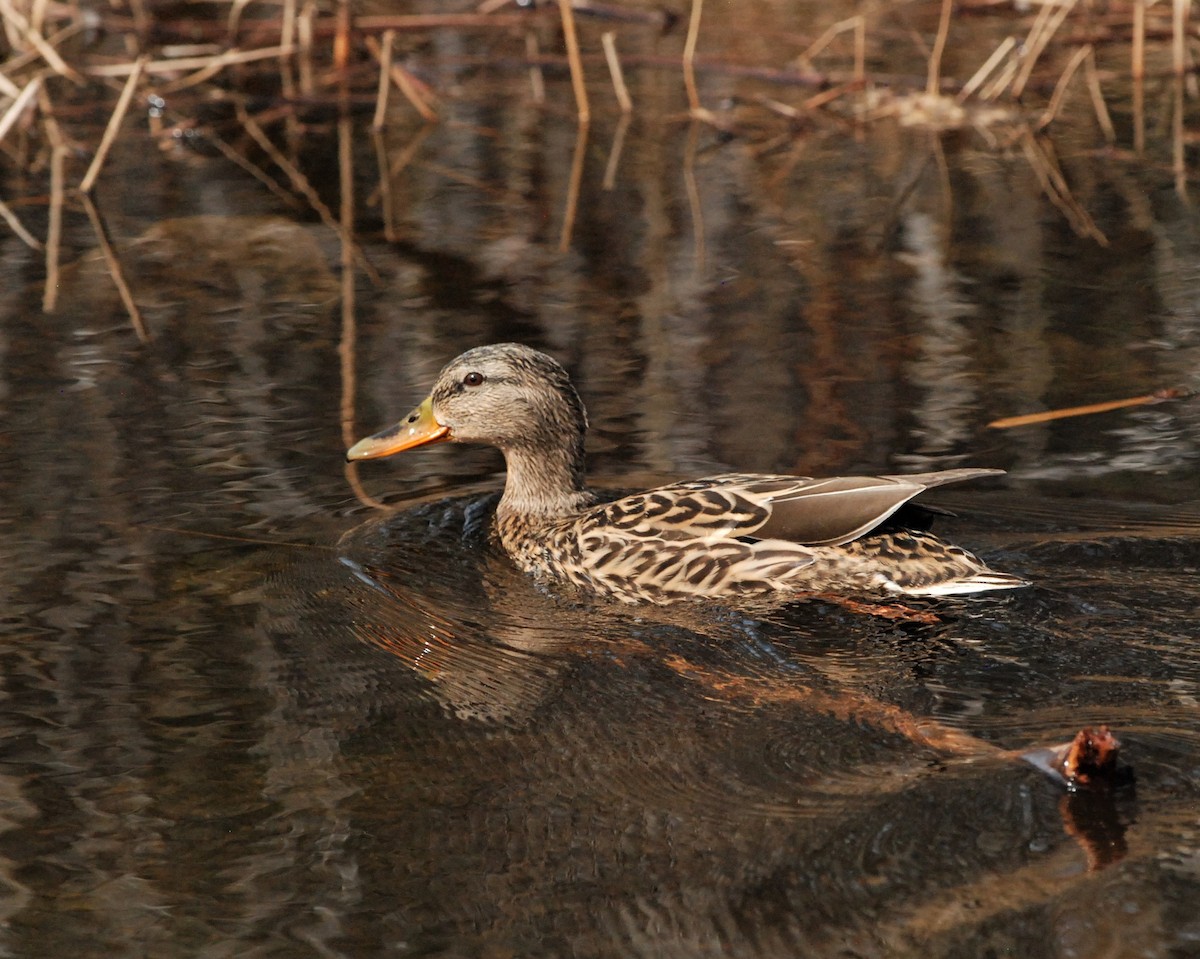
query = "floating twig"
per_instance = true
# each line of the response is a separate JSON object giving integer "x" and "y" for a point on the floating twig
{"x": 1030, "y": 419}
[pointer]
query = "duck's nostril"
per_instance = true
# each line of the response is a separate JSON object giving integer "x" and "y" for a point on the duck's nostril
{"x": 413, "y": 418}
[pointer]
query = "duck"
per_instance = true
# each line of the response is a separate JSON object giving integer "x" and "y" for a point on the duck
{"x": 727, "y": 537}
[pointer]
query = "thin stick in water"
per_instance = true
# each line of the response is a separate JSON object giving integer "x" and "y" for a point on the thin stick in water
{"x": 1030, "y": 419}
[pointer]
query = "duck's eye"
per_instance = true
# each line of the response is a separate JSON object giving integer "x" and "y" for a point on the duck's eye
{"x": 473, "y": 379}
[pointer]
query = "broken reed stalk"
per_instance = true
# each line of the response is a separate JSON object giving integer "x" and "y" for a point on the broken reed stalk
{"x": 689, "y": 57}
{"x": 58, "y": 158}
{"x": 933, "y": 80}
{"x": 1060, "y": 88}
{"x": 1137, "y": 55}
{"x": 18, "y": 227}
{"x": 405, "y": 82}
{"x": 1098, "y": 104}
{"x": 1179, "y": 13}
{"x": 1045, "y": 26}
{"x": 621, "y": 92}
{"x": 114, "y": 268}
{"x": 985, "y": 71}
{"x": 15, "y": 111}
{"x": 573, "y": 58}
{"x": 114, "y": 125}
{"x": 384, "y": 56}
{"x": 34, "y": 38}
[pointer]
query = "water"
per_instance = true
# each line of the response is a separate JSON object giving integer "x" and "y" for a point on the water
{"x": 245, "y": 713}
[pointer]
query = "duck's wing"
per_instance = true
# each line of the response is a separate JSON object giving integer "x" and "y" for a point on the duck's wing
{"x": 800, "y": 509}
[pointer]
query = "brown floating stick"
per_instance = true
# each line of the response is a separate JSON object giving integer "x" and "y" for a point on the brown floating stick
{"x": 1028, "y": 419}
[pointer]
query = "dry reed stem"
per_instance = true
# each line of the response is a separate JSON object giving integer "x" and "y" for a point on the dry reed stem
{"x": 304, "y": 40}
{"x": 933, "y": 79}
{"x": 19, "y": 105}
{"x": 114, "y": 268}
{"x": 1060, "y": 88}
{"x": 58, "y": 157}
{"x": 19, "y": 62}
{"x": 574, "y": 60}
{"x": 8, "y": 88}
{"x": 211, "y": 65}
{"x": 1040, "y": 35}
{"x": 1098, "y": 105}
{"x": 38, "y": 42}
{"x": 113, "y": 127}
{"x": 405, "y": 82}
{"x": 341, "y": 37}
{"x": 621, "y": 92}
{"x": 287, "y": 46}
{"x": 1179, "y": 12}
{"x": 431, "y": 21}
{"x": 689, "y": 57}
{"x": 573, "y": 185}
{"x": 1137, "y": 55}
{"x": 985, "y": 71}
{"x": 384, "y": 55}
{"x": 537, "y": 82}
{"x": 826, "y": 38}
{"x": 18, "y": 227}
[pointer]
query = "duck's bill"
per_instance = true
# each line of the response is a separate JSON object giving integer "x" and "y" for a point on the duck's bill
{"x": 419, "y": 428}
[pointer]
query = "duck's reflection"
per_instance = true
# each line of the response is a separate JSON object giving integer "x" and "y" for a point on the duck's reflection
{"x": 487, "y": 643}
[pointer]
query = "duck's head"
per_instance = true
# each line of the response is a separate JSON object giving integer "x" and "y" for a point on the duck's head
{"x": 505, "y": 395}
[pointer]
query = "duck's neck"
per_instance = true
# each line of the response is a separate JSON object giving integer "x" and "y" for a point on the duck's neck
{"x": 544, "y": 483}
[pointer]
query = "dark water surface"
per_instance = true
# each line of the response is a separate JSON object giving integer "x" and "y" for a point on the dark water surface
{"x": 246, "y": 714}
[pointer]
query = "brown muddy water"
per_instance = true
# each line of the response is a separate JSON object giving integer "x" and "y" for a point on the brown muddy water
{"x": 245, "y": 713}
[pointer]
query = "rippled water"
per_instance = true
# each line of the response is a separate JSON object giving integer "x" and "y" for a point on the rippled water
{"x": 246, "y": 713}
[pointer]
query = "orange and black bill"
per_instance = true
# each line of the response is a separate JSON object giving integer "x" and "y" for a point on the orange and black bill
{"x": 419, "y": 428}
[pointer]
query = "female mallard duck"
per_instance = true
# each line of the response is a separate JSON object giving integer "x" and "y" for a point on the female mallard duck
{"x": 731, "y": 535}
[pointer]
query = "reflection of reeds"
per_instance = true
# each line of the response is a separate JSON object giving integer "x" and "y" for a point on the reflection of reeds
{"x": 307, "y": 54}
